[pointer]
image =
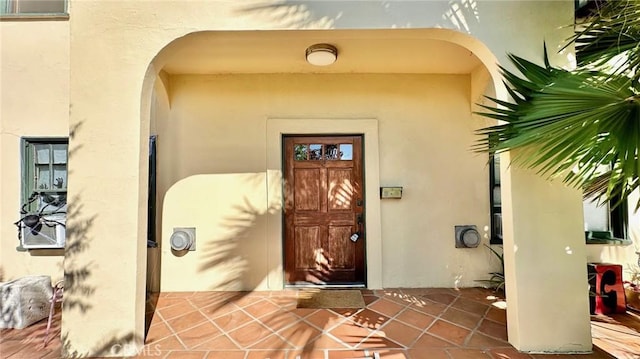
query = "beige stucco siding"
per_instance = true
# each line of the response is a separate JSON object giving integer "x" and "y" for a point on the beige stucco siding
{"x": 221, "y": 131}
{"x": 216, "y": 129}
{"x": 34, "y": 102}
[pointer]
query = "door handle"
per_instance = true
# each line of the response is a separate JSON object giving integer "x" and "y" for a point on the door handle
{"x": 354, "y": 237}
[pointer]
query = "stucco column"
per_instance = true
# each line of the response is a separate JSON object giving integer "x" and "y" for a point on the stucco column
{"x": 105, "y": 254}
{"x": 545, "y": 264}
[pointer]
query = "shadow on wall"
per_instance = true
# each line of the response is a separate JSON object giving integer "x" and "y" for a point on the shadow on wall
{"x": 78, "y": 268}
{"x": 241, "y": 250}
{"x": 78, "y": 291}
{"x": 76, "y": 275}
{"x": 462, "y": 15}
{"x": 238, "y": 250}
{"x": 75, "y": 271}
{"x": 238, "y": 245}
{"x": 234, "y": 247}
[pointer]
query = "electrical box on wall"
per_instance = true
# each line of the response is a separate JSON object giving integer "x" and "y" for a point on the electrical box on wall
{"x": 390, "y": 192}
{"x": 467, "y": 236}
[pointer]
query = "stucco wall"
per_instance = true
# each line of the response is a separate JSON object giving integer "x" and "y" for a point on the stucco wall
{"x": 34, "y": 102}
{"x": 426, "y": 131}
{"x": 113, "y": 44}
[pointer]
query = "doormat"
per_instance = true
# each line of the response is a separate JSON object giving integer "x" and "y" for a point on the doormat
{"x": 325, "y": 299}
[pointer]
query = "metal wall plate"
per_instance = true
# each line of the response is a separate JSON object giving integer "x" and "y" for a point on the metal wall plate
{"x": 390, "y": 192}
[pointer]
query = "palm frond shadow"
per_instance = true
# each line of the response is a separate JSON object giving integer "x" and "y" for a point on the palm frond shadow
{"x": 77, "y": 273}
{"x": 240, "y": 240}
{"x": 460, "y": 14}
{"x": 231, "y": 251}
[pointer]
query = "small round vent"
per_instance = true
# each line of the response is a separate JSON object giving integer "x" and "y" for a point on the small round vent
{"x": 183, "y": 239}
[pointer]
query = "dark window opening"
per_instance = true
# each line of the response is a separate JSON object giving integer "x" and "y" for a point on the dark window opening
{"x": 495, "y": 199}
{"x": 152, "y": 241}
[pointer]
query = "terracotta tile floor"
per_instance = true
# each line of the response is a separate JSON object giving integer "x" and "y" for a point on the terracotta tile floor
{"x": 396, "y": 324}
{"x": 625, "y": 344}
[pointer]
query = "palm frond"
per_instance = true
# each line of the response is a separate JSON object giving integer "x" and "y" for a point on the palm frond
{"x": 612, "y": 31}
{"x": 569, "y": 124}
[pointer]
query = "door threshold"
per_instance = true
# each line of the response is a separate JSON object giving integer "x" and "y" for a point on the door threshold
{"x": 325, "y": 286}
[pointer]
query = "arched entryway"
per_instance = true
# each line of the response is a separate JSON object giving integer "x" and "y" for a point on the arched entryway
{"x": 223, "y": 168}
{"x": 202, "y": 90}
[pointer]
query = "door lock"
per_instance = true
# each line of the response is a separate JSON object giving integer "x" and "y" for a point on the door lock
{"x": 354, "y": 237}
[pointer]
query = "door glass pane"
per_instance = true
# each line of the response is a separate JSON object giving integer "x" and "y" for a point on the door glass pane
{"x": 300, "y": 152}
{"x": 59, "y": 153}
{"x": 346, "y": 151}
{"x": 42, "y": 154}
{"x": 315, "y": 152}
{"x": 331, "y": 152}
{"x": 43, "y": 174}
{"x": 59, "y": 176}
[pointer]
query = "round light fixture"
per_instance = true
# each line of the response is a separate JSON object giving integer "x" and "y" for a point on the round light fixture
{"x": 321, "y": 54}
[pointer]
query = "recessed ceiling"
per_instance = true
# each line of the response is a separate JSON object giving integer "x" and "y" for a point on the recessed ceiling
{"x": 359, "y": 51}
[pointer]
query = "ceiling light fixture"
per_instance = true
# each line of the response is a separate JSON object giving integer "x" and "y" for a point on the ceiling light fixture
{"x": 321, "y": 54}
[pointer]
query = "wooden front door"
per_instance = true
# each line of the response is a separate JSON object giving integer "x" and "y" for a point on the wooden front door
{"x": 324, "y": 210}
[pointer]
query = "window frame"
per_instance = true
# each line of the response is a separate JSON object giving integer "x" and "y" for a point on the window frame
{"x": 10, "y": 10}
{"x": 618, "y": 224}
{"x": 619, "y": 219}
{"x": 152, "y": 240}
{"x": 494, "y": 182}
{"x": 27, "y": 173}
{"x": 34, "y": 203}
{"x": 618, "y": 216}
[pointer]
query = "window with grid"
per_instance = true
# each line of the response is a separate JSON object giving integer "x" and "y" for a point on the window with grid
{"x": 43, "y": 212}
{"x": 44, "y": 174}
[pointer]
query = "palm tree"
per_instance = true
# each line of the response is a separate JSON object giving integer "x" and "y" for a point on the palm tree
{"x": 573, "y": 124}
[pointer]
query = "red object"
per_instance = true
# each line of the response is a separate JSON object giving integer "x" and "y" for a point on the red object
{"x": 606, "y": 281}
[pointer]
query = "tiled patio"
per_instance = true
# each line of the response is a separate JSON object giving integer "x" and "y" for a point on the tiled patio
{"x": 415, "y": 323}
{"x": 617, "y": 334}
